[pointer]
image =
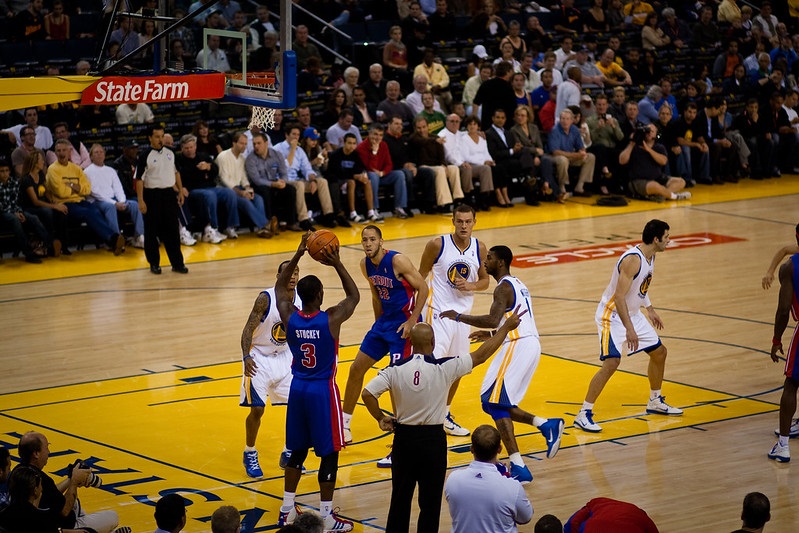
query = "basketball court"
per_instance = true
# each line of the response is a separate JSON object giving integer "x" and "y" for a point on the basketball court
{"x": 140, "y": 374}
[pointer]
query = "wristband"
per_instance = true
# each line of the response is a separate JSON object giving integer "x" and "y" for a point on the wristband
{"x": 776, "y": 342}
{"x": 248, "y": 355}
{"x": 458, "y": 317}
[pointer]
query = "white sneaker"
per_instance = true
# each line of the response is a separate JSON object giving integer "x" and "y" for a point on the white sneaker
{"x": 138, "y": 241}
{"x": 658, "y": 406}
{"x": 231, "y": 233}
{"x": 685, "y": 195}
{"x": 781, "y": 454}
{"x": 212, "y": 235}
{"x": 585, "y": 421}
{"x": 453, "y": 428}
{"x": 347, "y": 436}
{"x": 385, "y": 462}
{"x": 185, "y": 237}
{"x": 794, "y": 432}
{"x": 356, "y": 218}
{"x": 334, "y": 524}
{"x": 375, "y": 218}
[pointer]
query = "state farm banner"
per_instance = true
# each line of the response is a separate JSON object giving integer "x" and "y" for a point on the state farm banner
{"x": 114, "y": 90}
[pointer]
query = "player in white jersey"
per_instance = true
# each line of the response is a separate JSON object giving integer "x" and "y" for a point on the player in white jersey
{"x": 621, "y": 324}
{"x": 454, "y": 270}
{"x": 512, "y": 368}
{"x": 267, "y": 368}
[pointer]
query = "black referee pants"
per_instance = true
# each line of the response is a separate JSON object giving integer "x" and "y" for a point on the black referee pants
{"x": 419, "y": 456}
{"x": 161, "y": 222}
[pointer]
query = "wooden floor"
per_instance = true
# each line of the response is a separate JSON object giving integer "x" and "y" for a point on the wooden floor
{"x": 141, "y": 374}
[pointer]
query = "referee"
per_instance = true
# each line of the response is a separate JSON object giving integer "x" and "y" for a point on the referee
{"x": 419, "y": 387}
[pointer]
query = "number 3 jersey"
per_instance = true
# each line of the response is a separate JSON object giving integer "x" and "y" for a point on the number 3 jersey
{"x": 269, "y": 337}
{"x": 313, "y": 348}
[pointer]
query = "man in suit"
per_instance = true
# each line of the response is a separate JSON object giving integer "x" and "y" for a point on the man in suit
{"x": 512, "y": 159}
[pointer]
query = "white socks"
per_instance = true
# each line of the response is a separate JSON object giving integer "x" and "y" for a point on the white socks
{"x": 654, "y": 395}
{"x": 516, "y": 458}
{"x": 347, "y": 419}
{"x": 325, "y": 509}
{"x": 249, "y": 449}
{"x": 288, "y": 501}
{"x": 587, "y": 406}
{"x": 537, "y": 421}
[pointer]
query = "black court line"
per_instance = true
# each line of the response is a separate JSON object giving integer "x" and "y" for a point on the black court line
{"x": 168, "y": 465}
{"x": 747, "y": 217}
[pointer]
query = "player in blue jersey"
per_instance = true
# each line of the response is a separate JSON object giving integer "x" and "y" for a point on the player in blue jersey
{"x": 313, "y": 418}
{"x": 398, "y": 294}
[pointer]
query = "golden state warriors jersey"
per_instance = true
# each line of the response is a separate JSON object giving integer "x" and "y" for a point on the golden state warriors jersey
{"x": 636, "y": 297}
{"x": 522, "y": 300}
{"x": 269, "y": 336}
{"x": 451, "y": 264}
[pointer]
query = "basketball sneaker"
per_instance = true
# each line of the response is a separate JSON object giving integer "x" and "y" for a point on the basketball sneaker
{"x": 658, "y": 406}
{"x": 251, "y": 464}
{"x": 385, "y": 462}
{"x": 585, "y": 421}
{"x": 453, "y": 428}
{"x": 283, "y": 462}
{"x": 185, "y": 237}
{"x": 683, "y": 195}
{"x": 781, "y": 454}
{"x": 794, "y": 429}
{"x": 334, "y": 524}
{"x": 521, "y": 474}
{"x": 553, "y": 431}
{"x": 288, "y": 517}
{"x": 210, "y": 234}
{"x": 347, "y": 436}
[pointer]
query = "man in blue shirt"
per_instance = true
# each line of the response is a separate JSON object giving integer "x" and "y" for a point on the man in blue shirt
{"x": 567, "y": 149}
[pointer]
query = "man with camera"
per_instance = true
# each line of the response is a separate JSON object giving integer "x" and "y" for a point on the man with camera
{"x": 647, "y": 163}
{"x": 61, "y": 499}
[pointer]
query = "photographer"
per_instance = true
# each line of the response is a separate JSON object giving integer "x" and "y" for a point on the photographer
{"x": 61, "y": 499}
{"x": 647, "y": 162}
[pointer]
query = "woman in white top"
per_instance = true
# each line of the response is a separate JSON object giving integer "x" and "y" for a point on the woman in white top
{"x": 474, "y": 150}
{"x": 506, "y": 49}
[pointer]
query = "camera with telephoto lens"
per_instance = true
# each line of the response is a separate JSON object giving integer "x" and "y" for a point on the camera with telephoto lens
{"x": 92, "y": 481}
{"x": 640, "y": 133}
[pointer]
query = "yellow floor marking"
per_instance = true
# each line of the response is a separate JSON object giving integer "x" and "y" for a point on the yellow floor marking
{"x": 194, "y": 437}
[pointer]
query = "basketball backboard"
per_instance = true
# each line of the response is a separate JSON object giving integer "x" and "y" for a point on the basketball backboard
{"x": 271, "y": 82}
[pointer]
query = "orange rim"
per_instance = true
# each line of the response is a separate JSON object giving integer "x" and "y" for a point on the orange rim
{"x": 255, "y": 78}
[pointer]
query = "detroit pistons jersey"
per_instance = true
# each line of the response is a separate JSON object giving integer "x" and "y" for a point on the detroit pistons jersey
{"x": 313, "y": 348}
{"x": 521, "y": 299}
{"x": 451, "y": 264}
{"x": 637, "y": 294}
{"x": 396, "y": 295}
{"x": 269, "y": 336}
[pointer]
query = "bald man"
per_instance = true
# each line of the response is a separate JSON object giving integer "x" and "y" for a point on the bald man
{"x": 419, "y": 387}
{"x": 61, "y": 499}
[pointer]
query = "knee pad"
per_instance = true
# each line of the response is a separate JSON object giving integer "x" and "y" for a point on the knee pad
{"x": 328, "y": 468}
{"x": 296, "y": 459}
{"x": 496, "y": 412}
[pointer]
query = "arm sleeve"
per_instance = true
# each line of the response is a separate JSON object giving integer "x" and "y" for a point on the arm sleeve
{"x": 305, "y": 165}
{"x": 380, "y": 383}
{"x": 119, "y": 192}
{"x": 55, "y": 185}
{"x": 524, "y": 509}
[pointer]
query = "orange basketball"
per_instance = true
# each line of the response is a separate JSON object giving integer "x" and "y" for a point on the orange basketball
{"x": 318, "y": 241}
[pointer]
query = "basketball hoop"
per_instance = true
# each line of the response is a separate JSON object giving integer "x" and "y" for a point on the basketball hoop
{"x": 263, "y": 117}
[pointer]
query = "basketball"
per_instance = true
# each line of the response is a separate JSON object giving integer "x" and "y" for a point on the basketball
{"x": 318, "y": 241}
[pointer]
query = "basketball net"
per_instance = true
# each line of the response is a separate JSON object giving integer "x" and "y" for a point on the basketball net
{"x": 263, "y": 117}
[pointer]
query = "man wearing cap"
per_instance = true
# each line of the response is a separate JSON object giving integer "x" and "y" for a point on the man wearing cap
{"x": 302, "y": 177}
{"x": 591, "y": 78}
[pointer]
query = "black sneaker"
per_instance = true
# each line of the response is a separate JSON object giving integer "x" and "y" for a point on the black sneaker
{"x": 307, "y": 226}
{"x": 180, "y": 269}
{"x": 343, "y": 222}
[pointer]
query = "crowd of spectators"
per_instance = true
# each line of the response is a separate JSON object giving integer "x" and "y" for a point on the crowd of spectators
{"x": 562, "y": 109}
